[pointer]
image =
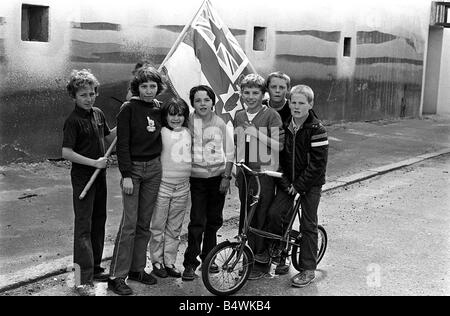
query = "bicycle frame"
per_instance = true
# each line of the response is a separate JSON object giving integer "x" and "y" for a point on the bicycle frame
{"x": 248, "y": 216}
{"x": 236, "y": 259}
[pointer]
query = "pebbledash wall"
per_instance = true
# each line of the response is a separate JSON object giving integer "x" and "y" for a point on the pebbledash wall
{"x": 364, "y": 59}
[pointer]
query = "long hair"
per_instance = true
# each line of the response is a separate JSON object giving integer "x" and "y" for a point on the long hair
{"x": 175, "y": 106}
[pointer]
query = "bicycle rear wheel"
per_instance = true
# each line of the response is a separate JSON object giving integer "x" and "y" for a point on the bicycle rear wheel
{"x": 321, "y": 247}
{"x": 230, "y": 279}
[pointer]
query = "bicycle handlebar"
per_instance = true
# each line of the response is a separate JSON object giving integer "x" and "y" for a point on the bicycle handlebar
{"x": 257, "y": 173}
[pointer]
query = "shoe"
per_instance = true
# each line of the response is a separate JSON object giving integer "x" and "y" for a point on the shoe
{"x": 142, "y": 277}
{"x": 119, "y": 286}
{"x": 303, "y": 279}
{"x": 282, "y": 268}
{"x": 159, "y": 270}
{"x": 262, "y": 257}
{"x": 256, "y": 275}
{"x": 101, "y": 277}
{"x": 172, "y": 271}
{"x": 213, "y": 268}
{"x": 188, "y": 274}
{"x": 85, "y": 289}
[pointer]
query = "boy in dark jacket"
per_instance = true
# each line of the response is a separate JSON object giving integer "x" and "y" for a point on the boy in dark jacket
{"x": 303, "y": 162}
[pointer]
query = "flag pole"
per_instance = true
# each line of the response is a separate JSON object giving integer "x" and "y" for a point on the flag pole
{"x": 181, "y": 36}
{"x": 177, "y": 42}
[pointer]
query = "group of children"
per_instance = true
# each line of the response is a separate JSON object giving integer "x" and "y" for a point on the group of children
{"x": 165, "y": 152}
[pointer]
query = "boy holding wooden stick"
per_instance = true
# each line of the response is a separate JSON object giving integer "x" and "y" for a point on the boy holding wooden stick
{"x": 85, "y": 131}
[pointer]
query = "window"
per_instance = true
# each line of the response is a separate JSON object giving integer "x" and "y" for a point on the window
{"x": 259, "y": 38}
{"x": 441, "y": 14}
{"x": 347, "y": 46}
{"x": 34, "y": 23}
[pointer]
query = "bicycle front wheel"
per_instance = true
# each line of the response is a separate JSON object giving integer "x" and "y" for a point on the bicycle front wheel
{"x": 321, "y": 247}
{"x": 234, "y": 270}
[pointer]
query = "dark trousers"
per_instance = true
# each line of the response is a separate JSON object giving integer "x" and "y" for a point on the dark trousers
{"x": 280, "y": 214}
{"x": 90, "y": 219}
{"x": 130, "y": 247}
{"x": 206, "y": 218}
{"x": 256, "y": 243}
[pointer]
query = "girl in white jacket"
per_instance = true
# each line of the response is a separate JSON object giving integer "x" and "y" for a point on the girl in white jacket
{"x": 173, "y": 193}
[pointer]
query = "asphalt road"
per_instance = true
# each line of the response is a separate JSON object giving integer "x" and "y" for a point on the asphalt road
{"x": 387, "y": 236}
{"x": 36, "y": 215}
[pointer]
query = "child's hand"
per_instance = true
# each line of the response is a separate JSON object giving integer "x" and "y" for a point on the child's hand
{"x": 251, "y": 130}
{"x": 292, "y": 190}
{"x": 101, "y": 163}
{"x": 224, "y": 186}
{"x": 127, "y": 186}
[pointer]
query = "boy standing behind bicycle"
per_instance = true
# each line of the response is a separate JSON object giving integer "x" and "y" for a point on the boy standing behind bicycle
{"x": 303, "y": 162}
{"x": 259, "y": 140}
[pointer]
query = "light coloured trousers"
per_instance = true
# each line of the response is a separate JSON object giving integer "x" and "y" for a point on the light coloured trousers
{"x": 167, "y": 222}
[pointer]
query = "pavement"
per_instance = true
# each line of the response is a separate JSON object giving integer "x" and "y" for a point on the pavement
{"x": 36, "y": 210}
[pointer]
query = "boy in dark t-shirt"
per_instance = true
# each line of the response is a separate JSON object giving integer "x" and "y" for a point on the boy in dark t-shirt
{"x": 85, "y": 131}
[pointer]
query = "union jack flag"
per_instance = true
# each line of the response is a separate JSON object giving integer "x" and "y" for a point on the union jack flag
{"x": 207, "y": 53}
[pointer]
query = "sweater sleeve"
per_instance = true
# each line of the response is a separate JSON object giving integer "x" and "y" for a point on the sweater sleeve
{"x": 123, "y": 141}
{"x": 228, "y": 142}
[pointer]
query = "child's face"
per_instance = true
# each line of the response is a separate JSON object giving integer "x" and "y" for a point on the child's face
{"x": 202, "y": 103}
{"x": 148, "y": 91}
{"x": 85, "y": 97}
{"x": 176, "y": 121}
{"x": 277, "y": 89}
{"x": 252, "y": 97}
{"x": 299, "y": 106}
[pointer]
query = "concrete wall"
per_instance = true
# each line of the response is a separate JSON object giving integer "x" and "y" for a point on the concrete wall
{"x": 433, "y": 70}
{"x": 382, "y": 78}
{"x": 443, "y": 100}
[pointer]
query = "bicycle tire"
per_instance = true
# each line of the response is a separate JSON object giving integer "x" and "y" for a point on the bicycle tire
{"x": 321, "y": 248}
{"x": 219, "y": 255}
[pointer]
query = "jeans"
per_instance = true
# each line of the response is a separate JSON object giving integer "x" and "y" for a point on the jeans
{"x": 280, "y": 214}
{"x": 167, "y": 222}
{"x": 130, "y": 249}
{"x": 90, "y": 219}
{"x": 205, "y": 219}
{"x": 256, "y": 243}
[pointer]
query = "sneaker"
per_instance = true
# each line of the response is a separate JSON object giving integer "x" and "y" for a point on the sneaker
{"x": 119, "y": 286}
{"x": 188, "y": 274}
{"x": 99, "y": 270}
{"x": 303, "y": 279}
{"x": 263, "y": 258}
{"x": 159, "y": 270}
{"x": 142, "y": 277}
{"x": 101, "y": 277}
{"x": 282, "y": 268}
{"x": 256, "y": 275}
{"x": 85, "y": 289}
{"x": 213, "y": 268}
{"x": 173, "y": 272}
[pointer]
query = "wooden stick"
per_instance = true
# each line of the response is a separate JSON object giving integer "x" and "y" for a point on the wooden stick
{"x": 96, "y": 172}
